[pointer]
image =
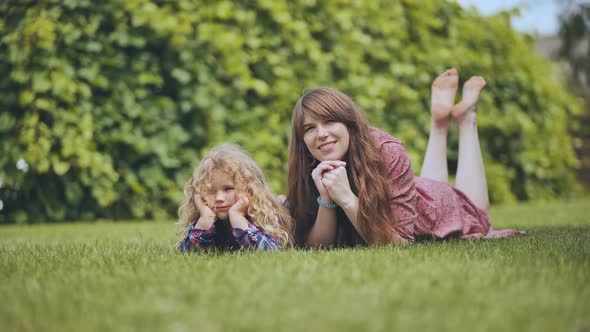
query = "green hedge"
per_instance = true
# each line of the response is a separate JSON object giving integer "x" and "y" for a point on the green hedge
{"x": 107, "y": 106}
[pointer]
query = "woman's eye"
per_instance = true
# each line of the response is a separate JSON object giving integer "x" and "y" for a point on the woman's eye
{"x": 308, "y": 129}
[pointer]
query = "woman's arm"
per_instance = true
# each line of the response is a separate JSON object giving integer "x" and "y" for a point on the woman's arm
{"x": 338, "y": 186}
{"x": 323, "y": 231}
{"x": 401, "y": 187}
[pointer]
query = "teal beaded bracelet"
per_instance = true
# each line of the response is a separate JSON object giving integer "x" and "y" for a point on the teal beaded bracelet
{"x": 326, "y": 205}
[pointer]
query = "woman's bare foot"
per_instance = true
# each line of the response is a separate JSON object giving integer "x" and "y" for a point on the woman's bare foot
{"x": 444, "y": 89}
{"x": 468, "y": 105}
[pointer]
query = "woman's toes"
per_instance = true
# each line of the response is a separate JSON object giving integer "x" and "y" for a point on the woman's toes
{"x": 444, "y": 90}
{"x": 471, "y": 91}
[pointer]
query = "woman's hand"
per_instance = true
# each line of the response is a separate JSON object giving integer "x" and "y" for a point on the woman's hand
{"x": 206, "y": 215}
{"x": 318, "y": 174}
{"x": 336, "y": 183}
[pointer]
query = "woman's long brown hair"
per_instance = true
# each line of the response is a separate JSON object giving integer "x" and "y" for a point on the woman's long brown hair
{"x": 365, "y": 168}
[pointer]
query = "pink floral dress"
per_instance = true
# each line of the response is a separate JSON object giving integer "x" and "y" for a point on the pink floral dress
{"x": 430, "y": 208}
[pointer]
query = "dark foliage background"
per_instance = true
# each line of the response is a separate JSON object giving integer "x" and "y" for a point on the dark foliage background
{"x": 106, "y": 107}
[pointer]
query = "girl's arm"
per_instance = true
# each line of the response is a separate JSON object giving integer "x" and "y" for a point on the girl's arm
{"x": 200, "y": 235}
{"x": 252, "y": 237}
{"x": 248, "y": 235}
{"x": 197, "y": 238}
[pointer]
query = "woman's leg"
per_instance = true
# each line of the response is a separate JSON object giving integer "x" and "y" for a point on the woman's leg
{"x": 471, "y": 176}
{"x": 444, "y": 89}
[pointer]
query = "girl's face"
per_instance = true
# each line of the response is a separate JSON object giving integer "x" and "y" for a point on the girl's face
{"x": 325, "y": 140}
{"x": 222, "y": 194}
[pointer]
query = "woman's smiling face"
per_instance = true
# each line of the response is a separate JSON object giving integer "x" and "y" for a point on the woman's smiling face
{"x": 325, "y": 139}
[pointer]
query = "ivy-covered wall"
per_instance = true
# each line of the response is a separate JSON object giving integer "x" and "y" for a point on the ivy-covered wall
{"x": 106, "y": 107}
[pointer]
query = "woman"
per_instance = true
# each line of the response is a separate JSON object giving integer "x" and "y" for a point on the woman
{"x": 352, "y": 184}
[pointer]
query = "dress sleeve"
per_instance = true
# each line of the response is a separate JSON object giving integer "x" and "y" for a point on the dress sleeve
{"x": 402, "y": 186}
{"x": 197, "y": 239}
{"x": 253, "y": 238}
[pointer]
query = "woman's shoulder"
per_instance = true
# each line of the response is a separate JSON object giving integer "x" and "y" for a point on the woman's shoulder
{"x": 393, "y": 152}
{"x": 383, "y": 140}
{"x": 390, "y": 148}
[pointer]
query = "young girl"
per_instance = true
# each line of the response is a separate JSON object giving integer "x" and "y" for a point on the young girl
{"x": 351, "y": 184}
{"x": 229, "y": 206}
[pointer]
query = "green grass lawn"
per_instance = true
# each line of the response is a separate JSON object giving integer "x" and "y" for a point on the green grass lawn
{"x": 126, "y": 276}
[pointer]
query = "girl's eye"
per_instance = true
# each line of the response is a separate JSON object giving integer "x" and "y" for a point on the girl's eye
{"x": 307, "y": 129}
{"x": 229, "y": 188}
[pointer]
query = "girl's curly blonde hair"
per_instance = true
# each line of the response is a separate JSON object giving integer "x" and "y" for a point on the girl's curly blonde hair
{"x": 264, "y": 210}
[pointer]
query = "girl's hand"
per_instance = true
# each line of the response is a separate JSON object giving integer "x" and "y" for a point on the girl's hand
{"x": 237, "y": 213}
{"x": 240, "y": 207}
{"x": 336, "y": 183}
{"x": 318, "y": 174}
{"x": 206, "y": 215}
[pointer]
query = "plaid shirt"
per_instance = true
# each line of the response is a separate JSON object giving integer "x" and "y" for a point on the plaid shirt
{"x": 250, "y": 238}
